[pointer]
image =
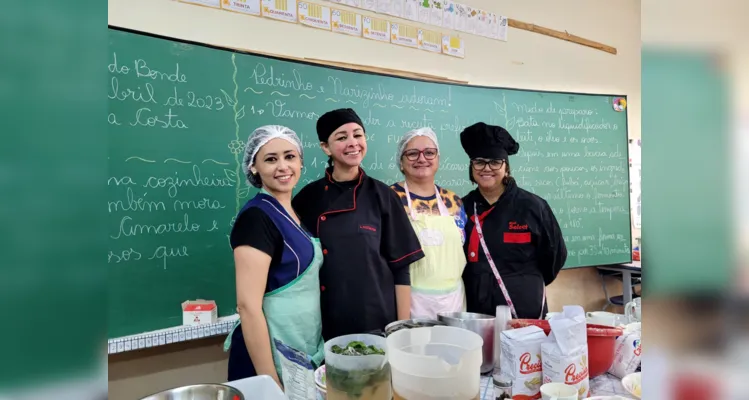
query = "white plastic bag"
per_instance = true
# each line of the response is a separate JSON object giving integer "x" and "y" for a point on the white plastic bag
{"x": 520, "y": 360}
{"x": 628, "y": 352}
{"x": 565, "y": 352}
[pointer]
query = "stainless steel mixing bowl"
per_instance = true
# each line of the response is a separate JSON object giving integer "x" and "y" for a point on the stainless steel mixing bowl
{"x": 481, "y": 324}
{"x": 205, "y": 391}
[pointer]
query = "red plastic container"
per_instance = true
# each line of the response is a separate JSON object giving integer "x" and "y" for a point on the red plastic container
{"x": 601, "y": 343}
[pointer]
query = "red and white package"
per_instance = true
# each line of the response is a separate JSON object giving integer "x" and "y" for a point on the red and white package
{"x": 520, "y": 361}
{"x": 628, "y": 352}
{"x": 565, "y": 352}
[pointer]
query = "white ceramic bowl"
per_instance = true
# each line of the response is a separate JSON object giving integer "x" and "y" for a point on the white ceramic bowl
{"x": 633, "y": 384}
{"x": 320, "y": 383}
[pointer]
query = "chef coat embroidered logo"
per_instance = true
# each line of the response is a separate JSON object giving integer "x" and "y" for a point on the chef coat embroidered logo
{"x": 517, "y": 237}
{"x": 514, "y": 226}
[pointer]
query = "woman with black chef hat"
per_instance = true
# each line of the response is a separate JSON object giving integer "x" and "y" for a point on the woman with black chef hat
{"x": 367, "y": 239}
{"x": 515, "y": 246}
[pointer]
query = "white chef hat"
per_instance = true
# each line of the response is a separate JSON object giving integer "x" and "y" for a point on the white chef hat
{"x": 258, "y": 138}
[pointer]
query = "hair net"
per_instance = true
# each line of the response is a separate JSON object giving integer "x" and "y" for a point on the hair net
{"x": 426, "y": 131}
{"x": 258, "y": 138}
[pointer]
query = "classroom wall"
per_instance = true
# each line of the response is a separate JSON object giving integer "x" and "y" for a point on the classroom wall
{"x": 528, "y": 60}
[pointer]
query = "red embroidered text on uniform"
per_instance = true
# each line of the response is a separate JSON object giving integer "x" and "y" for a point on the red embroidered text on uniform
{"x": 517, "y": 227}
{"x": 368, "y": 227}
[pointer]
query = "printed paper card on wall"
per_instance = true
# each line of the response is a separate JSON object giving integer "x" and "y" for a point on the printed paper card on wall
{"x": 481, "y": 26}
{"x": 397, "y": 8}
{"x": 453, "y": 46}
{"x": 498, "y": 28}
{"x": 430, "y": 41}
{"x": 404, "y": 35}
{"x": 347, "y": 22}
{"x": 282, "y": 10}
{"x": 314, "y": 15}
{"x": 352, "y": 3}
{"x": 425, "y": 11}
{"x": 251, "y": 7}
{"x": 376, "y": 29}
{"x": 391, "y": 7}
{"x": 411, "y": 9}
{"x": 370, "y": 5}
{"x": 435, "y": 18}
{"x": 207, "y": 3}
{"x": 472, "y": 16}
{"x": 461, "y": 17}
{"x": 448, "y": 14}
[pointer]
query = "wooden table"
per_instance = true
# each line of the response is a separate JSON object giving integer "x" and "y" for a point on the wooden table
{"x": 627, "y": 270}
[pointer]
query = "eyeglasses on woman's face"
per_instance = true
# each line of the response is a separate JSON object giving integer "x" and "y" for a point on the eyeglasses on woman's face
{"x": 481, "y": 163}
{"x": 413, "y": 154}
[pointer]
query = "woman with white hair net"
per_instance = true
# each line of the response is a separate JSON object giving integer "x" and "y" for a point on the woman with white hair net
{"x": 277, "y": 263}
{"x": 438, "y": 218}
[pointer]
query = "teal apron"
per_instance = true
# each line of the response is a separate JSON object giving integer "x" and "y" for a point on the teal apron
{"x": 292, "y": 313}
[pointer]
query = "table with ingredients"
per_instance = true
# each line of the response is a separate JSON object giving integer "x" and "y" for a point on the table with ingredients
{"x": 604, "y": 385}
{"x": 555, "y": 357}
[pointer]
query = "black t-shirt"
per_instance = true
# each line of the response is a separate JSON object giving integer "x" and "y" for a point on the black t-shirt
{"x": 254, "y": 228}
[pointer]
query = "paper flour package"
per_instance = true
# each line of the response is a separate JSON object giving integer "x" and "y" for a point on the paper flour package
{"x": 565, "y": 352}
{"x": 520, "y": 360}
{"x": 628, "y": 352}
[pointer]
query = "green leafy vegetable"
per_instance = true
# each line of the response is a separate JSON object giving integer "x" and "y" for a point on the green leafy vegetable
{"x": 357, "y": 348}
{"x": 361, "y": 383}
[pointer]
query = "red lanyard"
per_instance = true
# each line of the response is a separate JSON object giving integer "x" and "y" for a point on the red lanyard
{"x": 477, "y": 223}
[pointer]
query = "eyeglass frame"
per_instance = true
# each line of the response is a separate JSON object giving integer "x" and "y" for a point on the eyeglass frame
{"x": 420, "y": 153}
{"x": 486, "y": 163}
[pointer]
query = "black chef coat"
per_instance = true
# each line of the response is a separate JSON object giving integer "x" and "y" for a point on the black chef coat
{"x": 526, "y": 244}
{"x": 368, "y": 245}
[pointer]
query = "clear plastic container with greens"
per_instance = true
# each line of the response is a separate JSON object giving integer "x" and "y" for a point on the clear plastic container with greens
{"x": 356, "y": 367}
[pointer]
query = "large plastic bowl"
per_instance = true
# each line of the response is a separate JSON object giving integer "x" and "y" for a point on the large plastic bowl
{"x": 357, "y": 376}
{"x": 601, "y": 343}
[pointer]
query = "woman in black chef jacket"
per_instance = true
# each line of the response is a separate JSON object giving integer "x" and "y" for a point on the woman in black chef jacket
{"x": 367, "y": 239}
{"x": 516, "y": 248}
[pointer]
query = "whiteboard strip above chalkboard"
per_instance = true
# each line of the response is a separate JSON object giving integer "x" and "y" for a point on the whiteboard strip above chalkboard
{"x": 163, "y": 337}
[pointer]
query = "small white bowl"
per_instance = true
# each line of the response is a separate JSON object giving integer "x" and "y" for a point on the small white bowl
{"x": 633, "y": 384}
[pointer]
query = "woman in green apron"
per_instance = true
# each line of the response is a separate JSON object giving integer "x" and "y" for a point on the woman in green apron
{"x": 277, "y": 263}
{"x": 438, "y": 218}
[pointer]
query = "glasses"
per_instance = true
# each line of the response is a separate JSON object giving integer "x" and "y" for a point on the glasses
{"x": 413, "y": 154}
{"x": 480, "y": 164}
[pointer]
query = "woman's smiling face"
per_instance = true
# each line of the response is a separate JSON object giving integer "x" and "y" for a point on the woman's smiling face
{"x": 488, "y": 173}
{"x": 347, "y": 146}
{"x": 279, "y": 165}
{"x": 420, "y": 159}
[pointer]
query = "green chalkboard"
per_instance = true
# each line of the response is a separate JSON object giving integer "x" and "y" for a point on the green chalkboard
{"x": 179, "y": 114}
